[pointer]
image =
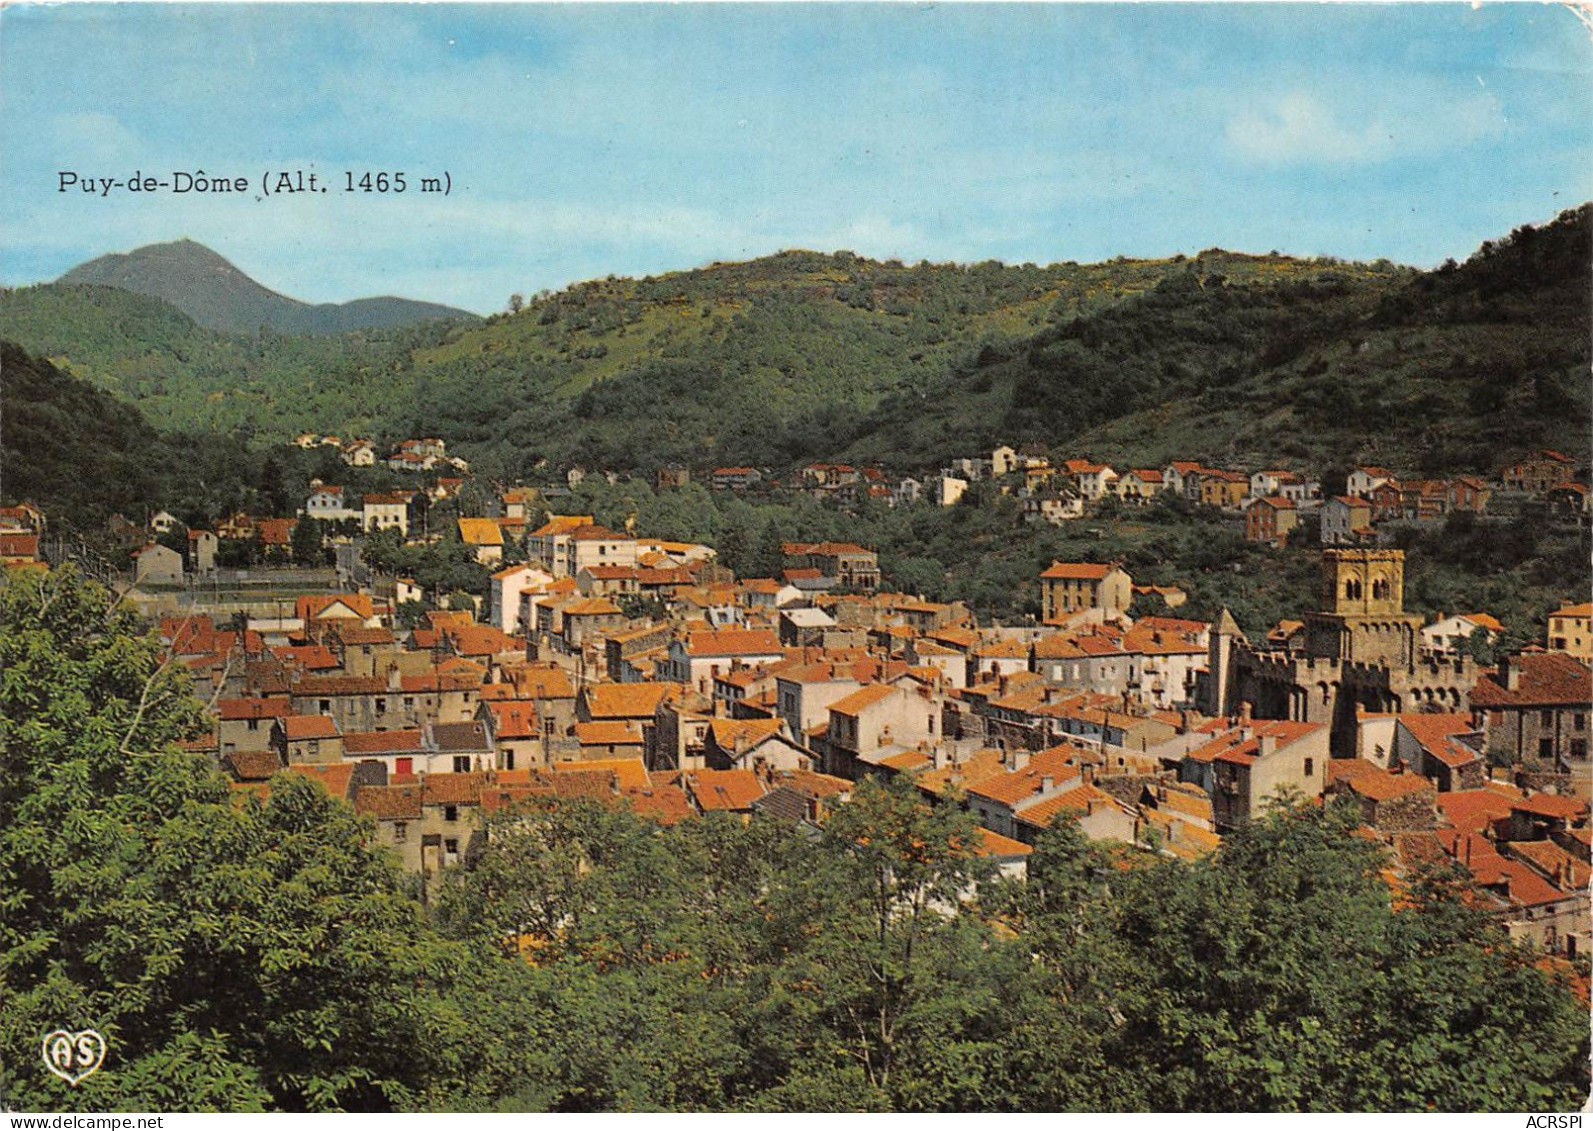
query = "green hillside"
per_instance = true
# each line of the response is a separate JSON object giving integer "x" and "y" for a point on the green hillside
{"x": 214, "y": 293}
{"x": 83, "y": 455}
{"x": 185, "y": 376}
{"x": 802, "y": 356}
{"x": 1442, "y": 371}
{"x": 770, "y": 362}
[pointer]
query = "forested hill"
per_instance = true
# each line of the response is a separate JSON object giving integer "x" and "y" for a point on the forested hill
{"x": 215, "y": 294}
{"x": 83, "y": 455}
{"x": 779, "y": 360}
{"x": 802, "y": 356}
{"x": 185, "y": 376}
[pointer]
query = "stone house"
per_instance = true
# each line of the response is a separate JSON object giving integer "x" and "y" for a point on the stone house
{"x": 1070, "y": 587}
{"x": 1536, "y": 707}
{"x": 157, "y": 565}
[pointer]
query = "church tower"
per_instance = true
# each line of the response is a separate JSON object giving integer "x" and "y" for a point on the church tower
{"x": 1220, "y": 679}
{"x": 1361, "y": 616}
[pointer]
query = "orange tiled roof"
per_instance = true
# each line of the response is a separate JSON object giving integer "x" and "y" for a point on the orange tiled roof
{"x": 862, "y": 699}
{"x": 614, "y": 733}
{"x": 1081, "y": 799}
{"x": 666, "y": 804}
{"x": 1472, "y": 810}
{"x": 630, "y": 773}
{"x": 336, "y": 779}
{"x": 627, "y": 700}
{"x": 299, "y": 727}
{"x": 724, "y": 790}
{"x": 452, "y": 789}
{"x": 728, "y": 733}
{"x": 733, "y": 642}
{"x": 994, "y": 844}
{"x": 253, "y": 765}
{"x": 480, "y": 532}
{"x": 1076, "y": 571}
{"x": 389, "y": 802}
{"x": 272, "y": 707}
{"x": 514, "y": 718}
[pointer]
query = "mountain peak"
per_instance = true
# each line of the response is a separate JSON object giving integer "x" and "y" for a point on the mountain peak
{"x": 214, "y": 292}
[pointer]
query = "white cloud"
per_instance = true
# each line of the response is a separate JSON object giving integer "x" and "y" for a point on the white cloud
{"x": 1298, "y": 128}
{"x": 1301, "y": 128}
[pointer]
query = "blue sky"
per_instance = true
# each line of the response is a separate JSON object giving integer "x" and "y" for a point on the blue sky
{"x": 587, "y": 140}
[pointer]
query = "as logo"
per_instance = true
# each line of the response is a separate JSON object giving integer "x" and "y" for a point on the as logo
{"x": 74, "y": 1057}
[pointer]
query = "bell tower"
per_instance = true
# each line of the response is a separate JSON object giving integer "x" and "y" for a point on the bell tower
{"x": 1361, "y": 614}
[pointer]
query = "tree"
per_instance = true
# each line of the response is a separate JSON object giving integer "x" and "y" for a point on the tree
{"x": 411, "y": 614}
{"x": 234, "y": 956}
{"x": 894, "y": 963}
{"x": 307, "y": 543}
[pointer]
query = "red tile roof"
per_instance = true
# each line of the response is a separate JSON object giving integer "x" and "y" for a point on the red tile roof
{"x": 381, "y": 742}
{"x": 627, "y": 700}
{"x": 1076, "y": 571}
{"x": 299, "y": 727}
{"x": 253, "y": 765}
{"x": 452, "y": 789}
{"x": 1473, "y": 810}
{"x": 337, "y": 779}
{"x": 619, "y": 732}
{"x": 1547, "y": 679}
{"x": 666, "y": 804}
{"x": 724, "y": 790}
{"x": 629, "y": 773}
{"x": 733, "y": 642}
{"x": 514, "y": 718}
{"x": 862, "y": 699}
{"x": 389, "y": 802}
{"x": 268, "y": 708}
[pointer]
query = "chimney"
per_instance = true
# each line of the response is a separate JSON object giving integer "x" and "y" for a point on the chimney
{"x": 1266, "y": 744}
{"x": 1019, "y": 758}
{"x": 1510, "y": 672}
{"x": 1046, "y": 783}
{"x": 1244, "y": 713}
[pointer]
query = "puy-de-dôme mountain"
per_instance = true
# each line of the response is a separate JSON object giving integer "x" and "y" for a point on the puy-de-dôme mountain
{"x": 215, "y": 294}
{"x": 803, "y": 356}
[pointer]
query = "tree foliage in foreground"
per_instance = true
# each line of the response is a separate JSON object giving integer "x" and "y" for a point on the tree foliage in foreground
{"x": 247, "y": 955}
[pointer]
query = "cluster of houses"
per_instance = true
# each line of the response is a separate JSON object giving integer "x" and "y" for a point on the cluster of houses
{"x": 1271, "y": 501}
{"x": 428, "y": 454}
{"x": 641, "y": 673}
{"x": 21, "y": 528}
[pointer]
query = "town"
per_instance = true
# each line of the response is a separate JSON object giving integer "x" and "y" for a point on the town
{"x": 641, "y": 672}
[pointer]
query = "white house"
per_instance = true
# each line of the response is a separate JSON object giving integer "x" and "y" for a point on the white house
{"x": 361, "y": 453}
{"x": 1364, "y": 480}
{"x": 503, "y": 596}
{"x": 328, "y": 503}
{"x": 1445, "y": 636}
